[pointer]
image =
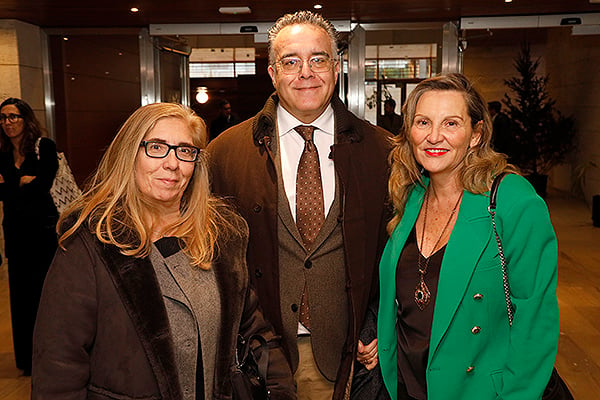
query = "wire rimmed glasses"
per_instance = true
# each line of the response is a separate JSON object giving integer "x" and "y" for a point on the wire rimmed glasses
{"x": 161, "y": 150}
{"x": 293, "y": 65}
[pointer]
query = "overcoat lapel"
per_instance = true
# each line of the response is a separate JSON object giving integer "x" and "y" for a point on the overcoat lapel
{"x": 469, "y": 237}
{"x": 138, "y": 288}
{"x": 232, "y": 281}
{"x": 352, "y": 176}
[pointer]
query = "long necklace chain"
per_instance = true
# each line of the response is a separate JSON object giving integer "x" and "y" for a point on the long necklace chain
{"x": 422, "y": 293}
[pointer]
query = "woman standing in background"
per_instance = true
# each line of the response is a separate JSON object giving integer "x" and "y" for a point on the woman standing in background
{"x": 29, "y": 217}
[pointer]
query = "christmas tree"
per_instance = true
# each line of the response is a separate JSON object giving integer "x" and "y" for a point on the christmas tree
{"x": 543, "y": 134}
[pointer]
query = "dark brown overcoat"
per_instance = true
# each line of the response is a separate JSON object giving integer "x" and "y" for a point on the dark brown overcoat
{"x": 243, "y": 169}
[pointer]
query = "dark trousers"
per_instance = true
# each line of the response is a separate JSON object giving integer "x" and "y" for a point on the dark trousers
{"x": 26, "y": 276}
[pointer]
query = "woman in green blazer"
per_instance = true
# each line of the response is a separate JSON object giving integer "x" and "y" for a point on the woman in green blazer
{"x": 443, "y": 330}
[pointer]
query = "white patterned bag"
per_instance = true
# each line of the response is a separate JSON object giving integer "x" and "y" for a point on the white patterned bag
{"x": 64, "y": 189}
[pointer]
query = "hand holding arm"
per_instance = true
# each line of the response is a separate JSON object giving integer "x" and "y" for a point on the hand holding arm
{"x": 367, "y": 355}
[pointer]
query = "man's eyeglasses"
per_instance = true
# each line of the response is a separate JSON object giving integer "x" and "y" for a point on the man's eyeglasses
{"x": 293, "y": 65}
{"x": 161, "y": 150}
{"x": 12, "y": 118}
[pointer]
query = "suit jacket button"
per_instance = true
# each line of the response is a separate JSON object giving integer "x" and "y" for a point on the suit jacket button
{"x": 470, "y": 369}
{"x": 476, "y": 330}
{"x": 295, "y": 307}
{"x": 258, "y": 273}
{"x": 308, "y": 264}
{"x": 257, "y": 208}
{"x": 477, "y": 296}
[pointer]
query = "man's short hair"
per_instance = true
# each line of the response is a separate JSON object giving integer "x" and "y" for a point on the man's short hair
{"x": 302, "y": 18}
{"x": 390, "y": 102}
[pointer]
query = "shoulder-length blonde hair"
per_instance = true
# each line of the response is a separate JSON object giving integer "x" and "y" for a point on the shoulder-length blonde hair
{"x": 113, "y": 208}
{"x": 481, "y": 163}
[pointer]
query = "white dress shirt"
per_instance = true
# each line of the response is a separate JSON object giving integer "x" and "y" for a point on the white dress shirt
{"x": 291, "y": 145}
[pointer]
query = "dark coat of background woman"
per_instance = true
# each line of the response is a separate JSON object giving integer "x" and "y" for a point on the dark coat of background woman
{"x": 29, "y": 217}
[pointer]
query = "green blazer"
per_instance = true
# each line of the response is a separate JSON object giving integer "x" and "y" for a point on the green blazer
{"x": 474, "y": 353}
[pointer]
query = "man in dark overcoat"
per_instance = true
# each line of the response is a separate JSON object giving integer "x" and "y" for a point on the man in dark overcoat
{"x": 314, "y": 288}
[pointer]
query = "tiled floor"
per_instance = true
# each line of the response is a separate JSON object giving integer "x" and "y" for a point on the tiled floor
{"x": 578, "y": 291}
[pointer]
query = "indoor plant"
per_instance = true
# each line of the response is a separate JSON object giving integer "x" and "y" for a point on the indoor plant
{"x": 543, "y": 135}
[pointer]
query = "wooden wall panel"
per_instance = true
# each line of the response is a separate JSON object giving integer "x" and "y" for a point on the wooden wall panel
{"x": 97, "y": 86}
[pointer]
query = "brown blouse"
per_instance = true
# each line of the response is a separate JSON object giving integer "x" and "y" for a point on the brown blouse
{"x": 413, "y": 325}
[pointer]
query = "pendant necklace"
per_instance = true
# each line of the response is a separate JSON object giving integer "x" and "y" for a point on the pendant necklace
{"x": 422, "y": 293}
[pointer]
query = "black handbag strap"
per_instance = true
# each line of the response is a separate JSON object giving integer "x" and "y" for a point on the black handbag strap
{"x": 492, "y": 211}
{"x": 263, "y": 361}
{"x": 494, "y": 189}
{"x": 245, "y": 350}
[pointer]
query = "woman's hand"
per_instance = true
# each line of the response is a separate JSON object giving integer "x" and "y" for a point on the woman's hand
{"x": 25, "y": 179}
{"x": 368, "y": 355}
{"x": 1, "y": 179}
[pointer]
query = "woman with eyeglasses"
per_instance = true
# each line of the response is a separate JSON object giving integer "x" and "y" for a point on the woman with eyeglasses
{"x": 149, "y": 289}
{"x": 26, "y": 176}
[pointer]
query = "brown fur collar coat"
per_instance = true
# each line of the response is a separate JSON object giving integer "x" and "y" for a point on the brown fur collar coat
{"x": 103, "y": 331}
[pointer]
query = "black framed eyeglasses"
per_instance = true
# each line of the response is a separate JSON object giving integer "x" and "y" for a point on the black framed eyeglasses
{"x": 12, "y": 118}
{"x": 161, "y": 150}
{"x": 293, "y": 65}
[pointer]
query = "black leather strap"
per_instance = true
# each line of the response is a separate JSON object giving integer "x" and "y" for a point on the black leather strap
{"x": 494, "y": 189}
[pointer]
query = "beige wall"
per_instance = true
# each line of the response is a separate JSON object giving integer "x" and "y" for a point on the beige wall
{"x": 21, "y": 72}
{"x": 573, "y": 63}
{"x": 489, "y": 57}
{"x": 574, "y": 68}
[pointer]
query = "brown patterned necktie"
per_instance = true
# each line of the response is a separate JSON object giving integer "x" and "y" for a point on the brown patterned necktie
{"x": 310, "y": 211}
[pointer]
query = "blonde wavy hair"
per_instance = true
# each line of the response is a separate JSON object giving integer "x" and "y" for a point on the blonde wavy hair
{"x": 114, "y": 210}
{"x": 481, "y": 163}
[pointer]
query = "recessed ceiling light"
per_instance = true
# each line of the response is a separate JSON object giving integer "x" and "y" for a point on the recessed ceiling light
{"x": 318, "y": 6}
{"x": 134, "y": 9}
{"x": 508, "y": 1}
{"x": 234, "y": 10}
{"x": 65, "y": 38}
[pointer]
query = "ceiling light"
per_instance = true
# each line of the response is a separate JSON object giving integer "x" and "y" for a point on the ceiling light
{"x": 201, "y": 94}
{"x": 234, "y": 10}
{"x": 134, "y": 9}
{"x": 508, "y": 1}
{"x": 318, "y": 6}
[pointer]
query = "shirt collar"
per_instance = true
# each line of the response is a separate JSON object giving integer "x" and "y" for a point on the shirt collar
{"x": 286, "y": 122}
